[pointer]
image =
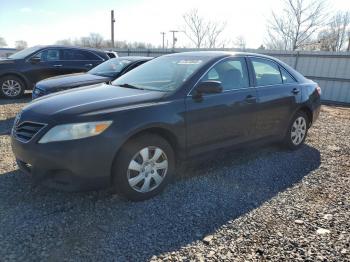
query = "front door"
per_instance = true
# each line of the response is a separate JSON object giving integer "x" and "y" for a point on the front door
{"x": 49, "y": 65}
{"x": 224, "y": 119}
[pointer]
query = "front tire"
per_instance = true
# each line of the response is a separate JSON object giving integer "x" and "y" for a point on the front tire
{"x": 11, "y": 87}
{"x": 297, "y": 131}
{"x": 143, "y": 167}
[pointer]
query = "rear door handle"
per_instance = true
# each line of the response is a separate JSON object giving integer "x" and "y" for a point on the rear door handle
{"x": 89, "y": 65}
{"x": 57, "y": 65}
{"x": 250, "y": 99}
{"x": 295, "y": 91}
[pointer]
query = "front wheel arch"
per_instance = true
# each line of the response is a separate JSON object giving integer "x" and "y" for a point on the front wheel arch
{"x": 16, "y": 78}
{"x": 20, "y": 76}
{"x": 159, "y": 131}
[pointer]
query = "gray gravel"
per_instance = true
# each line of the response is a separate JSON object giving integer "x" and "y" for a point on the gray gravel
{"x": 253, "y": 204}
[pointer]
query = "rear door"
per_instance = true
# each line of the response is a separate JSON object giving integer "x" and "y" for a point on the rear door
{"x": 223, "y": 119}
{"x": 76, "y": 60}
{"x": 278, "y": 94}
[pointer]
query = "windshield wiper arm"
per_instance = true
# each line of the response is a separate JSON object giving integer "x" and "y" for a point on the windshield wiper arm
{"x": 130, "y": 86}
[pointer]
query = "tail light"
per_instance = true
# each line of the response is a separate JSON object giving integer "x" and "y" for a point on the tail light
{"x": 319, "y": 91}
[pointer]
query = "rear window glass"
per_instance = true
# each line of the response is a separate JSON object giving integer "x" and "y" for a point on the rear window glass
{"x": 266, "y": 72}
{"x": 69, "y": 54}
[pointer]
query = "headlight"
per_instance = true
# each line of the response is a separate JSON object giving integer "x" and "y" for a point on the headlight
{"x": 74, "y": 131}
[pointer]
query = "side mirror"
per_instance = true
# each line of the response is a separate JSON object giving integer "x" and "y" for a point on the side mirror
{"x": 208, "y": 87}
{"x": 34, "y": 60}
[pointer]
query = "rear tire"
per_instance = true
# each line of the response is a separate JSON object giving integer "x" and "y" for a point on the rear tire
{"x": 11, "y": 87}
{"x": 143, "y": 167}
{"x": 297, "y": 131}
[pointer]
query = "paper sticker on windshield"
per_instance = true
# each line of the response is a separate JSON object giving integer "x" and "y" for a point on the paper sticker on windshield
{"x": 189, "y": 62}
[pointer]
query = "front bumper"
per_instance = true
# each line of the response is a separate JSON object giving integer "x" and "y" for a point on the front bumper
{"x": 76, "y": 165}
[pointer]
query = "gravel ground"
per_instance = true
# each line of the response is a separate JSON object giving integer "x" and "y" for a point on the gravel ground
{"x": 249, "y": 205}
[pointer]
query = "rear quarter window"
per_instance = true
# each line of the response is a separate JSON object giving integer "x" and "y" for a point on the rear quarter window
{"x": 286, "y": 77}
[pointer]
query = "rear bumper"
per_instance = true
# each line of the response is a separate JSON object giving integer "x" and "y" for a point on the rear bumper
{"x": 316, "y": 113}
{"x": 70, "y": 166}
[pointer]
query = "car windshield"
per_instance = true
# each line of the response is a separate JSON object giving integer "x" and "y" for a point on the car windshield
{"x": 110, "y": 68}
{"x": 166, "y": 73}
{"x": 24, "y": 53}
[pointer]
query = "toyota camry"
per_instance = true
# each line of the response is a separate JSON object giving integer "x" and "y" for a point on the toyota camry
{"x": 132, "y": 133}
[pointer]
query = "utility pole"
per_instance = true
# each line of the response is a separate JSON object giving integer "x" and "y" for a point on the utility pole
{"x": 112, "y": 27}
{"x": 174, "y": 38}
{"x": 163, "y": 34}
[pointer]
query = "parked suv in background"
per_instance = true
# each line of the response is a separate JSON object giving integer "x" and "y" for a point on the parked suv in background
{"x": 103, "y": 73}
{"x": 23, "y": 69}
{"x": 132, "y": 133}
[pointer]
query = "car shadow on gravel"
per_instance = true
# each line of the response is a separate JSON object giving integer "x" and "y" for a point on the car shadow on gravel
{"x": 25, "y": 99}
{"x": 39, "y": 223}
{"x": 6, "y": 125}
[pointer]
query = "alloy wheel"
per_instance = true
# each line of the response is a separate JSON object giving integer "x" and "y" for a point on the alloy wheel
{"x": 11, "y": 88}
{"x": 147, "y": 169}
{"x": 298, "y": 131}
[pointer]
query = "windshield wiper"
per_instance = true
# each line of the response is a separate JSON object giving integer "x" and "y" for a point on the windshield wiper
{"x": 131, "y": 86}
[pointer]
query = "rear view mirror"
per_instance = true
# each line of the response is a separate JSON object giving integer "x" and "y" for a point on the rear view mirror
{"x": 208, "y": 87}
{"x": 34, "y": 60}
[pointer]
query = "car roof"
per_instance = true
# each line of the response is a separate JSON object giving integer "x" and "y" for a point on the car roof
{"x": 217, "y": 54}
{"x": 72, "y": 47}
{"x": 135, "y": 58}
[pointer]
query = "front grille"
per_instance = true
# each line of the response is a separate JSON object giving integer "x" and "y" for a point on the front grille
{"x": 27, "y": 130}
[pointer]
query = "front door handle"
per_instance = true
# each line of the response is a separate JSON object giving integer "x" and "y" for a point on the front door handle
{"x": 57, "y": 65}
{"x": 88, "y": 65}
{"x": 250, "y": 99}
{"x": 295, "y": 91}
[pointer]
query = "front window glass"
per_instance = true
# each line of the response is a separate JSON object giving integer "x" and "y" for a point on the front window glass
{"x": 231, "y": 73}
{"x": 24, "y": 53}
{"x": 266, "y": 72}
{"x": 110, "y": 68}
{"x": 166, "y": 73}
{"x": 49, "y": 55}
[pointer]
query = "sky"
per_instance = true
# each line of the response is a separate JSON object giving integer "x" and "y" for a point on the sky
{"x": 46, "y": 21}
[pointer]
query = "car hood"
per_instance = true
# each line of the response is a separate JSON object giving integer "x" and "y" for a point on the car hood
{"x": 84, "y": 101}
{"x": 5, "y": 61}
{"x": 68, "y": 81}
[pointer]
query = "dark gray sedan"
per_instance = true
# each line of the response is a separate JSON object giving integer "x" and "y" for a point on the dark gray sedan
{"x": 103, "y": 73}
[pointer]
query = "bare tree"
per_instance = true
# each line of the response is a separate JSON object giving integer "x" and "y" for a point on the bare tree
{"x": 67, "y": 42}
{"x": 201, "y": 31}
{"x": 240, "y": 42}
{"x": 95, "y": 40}
{"x": 2, "y": 42}
{"x": 334, "y": 36}
{"x": 295, "y": 24}
{"x": 83, "y": 41}
{"x": 21, "y": 44}
{"x": 214, "y": 32}
{"x": 195, "y": 27}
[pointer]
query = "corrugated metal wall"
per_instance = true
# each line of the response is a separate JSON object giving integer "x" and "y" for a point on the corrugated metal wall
{"x": 330, "y": 69}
